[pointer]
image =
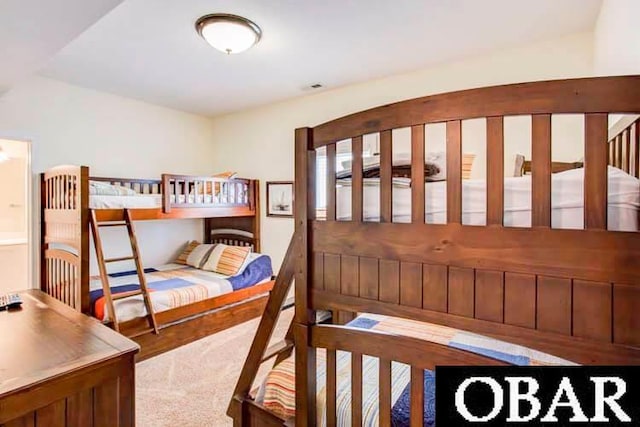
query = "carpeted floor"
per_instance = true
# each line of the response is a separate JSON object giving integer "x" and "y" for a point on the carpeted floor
{"x": 191, "y": 385}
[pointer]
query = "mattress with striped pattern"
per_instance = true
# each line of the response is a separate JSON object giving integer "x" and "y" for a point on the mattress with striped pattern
{"x": 277, "y": 392}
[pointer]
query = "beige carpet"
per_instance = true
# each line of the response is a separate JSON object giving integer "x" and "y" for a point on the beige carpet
{"x": 191, "y": 385}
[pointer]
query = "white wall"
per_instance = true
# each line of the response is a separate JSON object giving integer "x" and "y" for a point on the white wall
{"x": 115, "y": 136}
{"x": 13, "y": 189}
{"x": 14, "y": 263}
{"x": 617, "y": 38}
{"x": 259, "y": 142}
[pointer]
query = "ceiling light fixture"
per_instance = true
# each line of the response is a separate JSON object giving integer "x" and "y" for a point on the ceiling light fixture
{"x": 228, "y": 33}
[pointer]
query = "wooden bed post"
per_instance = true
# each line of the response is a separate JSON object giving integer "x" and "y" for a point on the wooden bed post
{"x": 43, "y": 233}
{"x": 305, "y": 201}
{"x": 85, "y": 302}
{"x": 255, "y": 186}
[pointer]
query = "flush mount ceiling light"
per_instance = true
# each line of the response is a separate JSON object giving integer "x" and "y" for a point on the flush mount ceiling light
{"x": 228, "y": 33}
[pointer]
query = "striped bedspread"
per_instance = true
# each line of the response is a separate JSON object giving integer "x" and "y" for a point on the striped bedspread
{"x": 174, "y": 285}
{"x": 278, "y": 390}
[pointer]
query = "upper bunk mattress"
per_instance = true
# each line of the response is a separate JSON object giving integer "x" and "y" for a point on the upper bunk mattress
{"x": 174, "y": 285}
{"x": 566, "y": 200}
{"x": 277, "y": 392}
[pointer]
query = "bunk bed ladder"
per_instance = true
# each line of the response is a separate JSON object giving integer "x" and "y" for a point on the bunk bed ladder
{"x": 259, "y": 352}
{"x": 135, "y": 256}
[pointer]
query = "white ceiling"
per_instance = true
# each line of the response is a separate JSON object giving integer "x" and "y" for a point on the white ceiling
{"x": 32, "y": 31}
{"x": 149, "y": 50}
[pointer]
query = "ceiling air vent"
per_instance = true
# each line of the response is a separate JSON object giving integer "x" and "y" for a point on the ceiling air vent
{"x": 314, "y": 86}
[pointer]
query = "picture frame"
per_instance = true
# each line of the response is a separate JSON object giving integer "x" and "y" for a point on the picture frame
{"x": 280, "y": 199}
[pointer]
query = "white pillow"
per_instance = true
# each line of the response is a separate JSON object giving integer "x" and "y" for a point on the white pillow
{"x": 104, "y": 189}
{"x": 199, "y": 255}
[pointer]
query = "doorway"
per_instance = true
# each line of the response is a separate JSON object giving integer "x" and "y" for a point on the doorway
{"x": 15, "y": 201}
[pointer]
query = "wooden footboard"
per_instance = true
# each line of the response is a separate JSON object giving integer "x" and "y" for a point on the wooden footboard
{"x": 64, "y": 262}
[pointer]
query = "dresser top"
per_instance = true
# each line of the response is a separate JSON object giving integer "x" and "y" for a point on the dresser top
{"x": 46, "y": 339}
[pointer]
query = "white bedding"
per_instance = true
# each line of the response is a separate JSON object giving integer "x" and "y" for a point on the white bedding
{"x": 566, "y": 200}
{"x": 140, "y": 201}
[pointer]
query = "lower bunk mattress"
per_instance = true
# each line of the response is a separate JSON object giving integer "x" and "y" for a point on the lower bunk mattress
{"x": 174, "y": 285}
{"x": 277, "y": 392}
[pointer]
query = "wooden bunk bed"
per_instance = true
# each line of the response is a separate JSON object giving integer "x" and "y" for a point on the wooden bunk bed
{"x": 573, "y": 293}
{"x": 231, "y": 212}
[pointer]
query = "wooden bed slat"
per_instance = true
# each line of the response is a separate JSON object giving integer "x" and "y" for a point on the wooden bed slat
{"x": 318, "y": 270}
{"x": 356, "y": 389}
{"x": 331, "y": 388}
{"x": 554, "y": 305}
{"x": 369, "y": 278}
{"x": 331, "y": 182}
{"x": 520, "y": 300}
{"x": 618, "y": 142}
{"x": 636, "y": 149}
{"x": 626, "y": 322}
{"x": 434, "y": 287}
{"x": 541, "y": 170}
{"x": 384, "y": 390}
{"x": 626, "y": 157}
{"x": 461, "y": 291}
{"x": 389, "y": 281}
{"x": 454, "y": 172}
{"x": 332, "y": 272}
{"x": 417, "y": 397}
{"x": 495, "y": 170}
{"x": 356, "y": 179}
{"x": 595, "y": 172}
{"x": 611, "y": 154}
{"x": 417, "y": 174}
{"x": 592, "y": 317}
{"x": 489, "y": 295}
{"x": 386, "y": 154}
{"x": 349, "y": 269}
{"x": 411, "y": 284}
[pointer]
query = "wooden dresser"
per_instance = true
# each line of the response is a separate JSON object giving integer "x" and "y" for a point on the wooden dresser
{"x": 61, "y": 368}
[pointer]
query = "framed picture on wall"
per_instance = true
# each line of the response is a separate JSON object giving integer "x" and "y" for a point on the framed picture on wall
{"x": 280, "y": 199}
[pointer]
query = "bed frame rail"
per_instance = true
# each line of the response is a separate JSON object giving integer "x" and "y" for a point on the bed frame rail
{"x": 190, "y": 191}
{"x": 64, "y": 262}
{"x": 202, "y": 192}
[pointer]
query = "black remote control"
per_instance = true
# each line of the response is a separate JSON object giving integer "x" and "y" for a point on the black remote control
{"x": 10, "y": 301}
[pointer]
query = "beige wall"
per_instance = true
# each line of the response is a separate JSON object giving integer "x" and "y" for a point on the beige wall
{"x": 259, "y": 142}
{"x": 115, "y": 136}
{"x": 617, "y": 38}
